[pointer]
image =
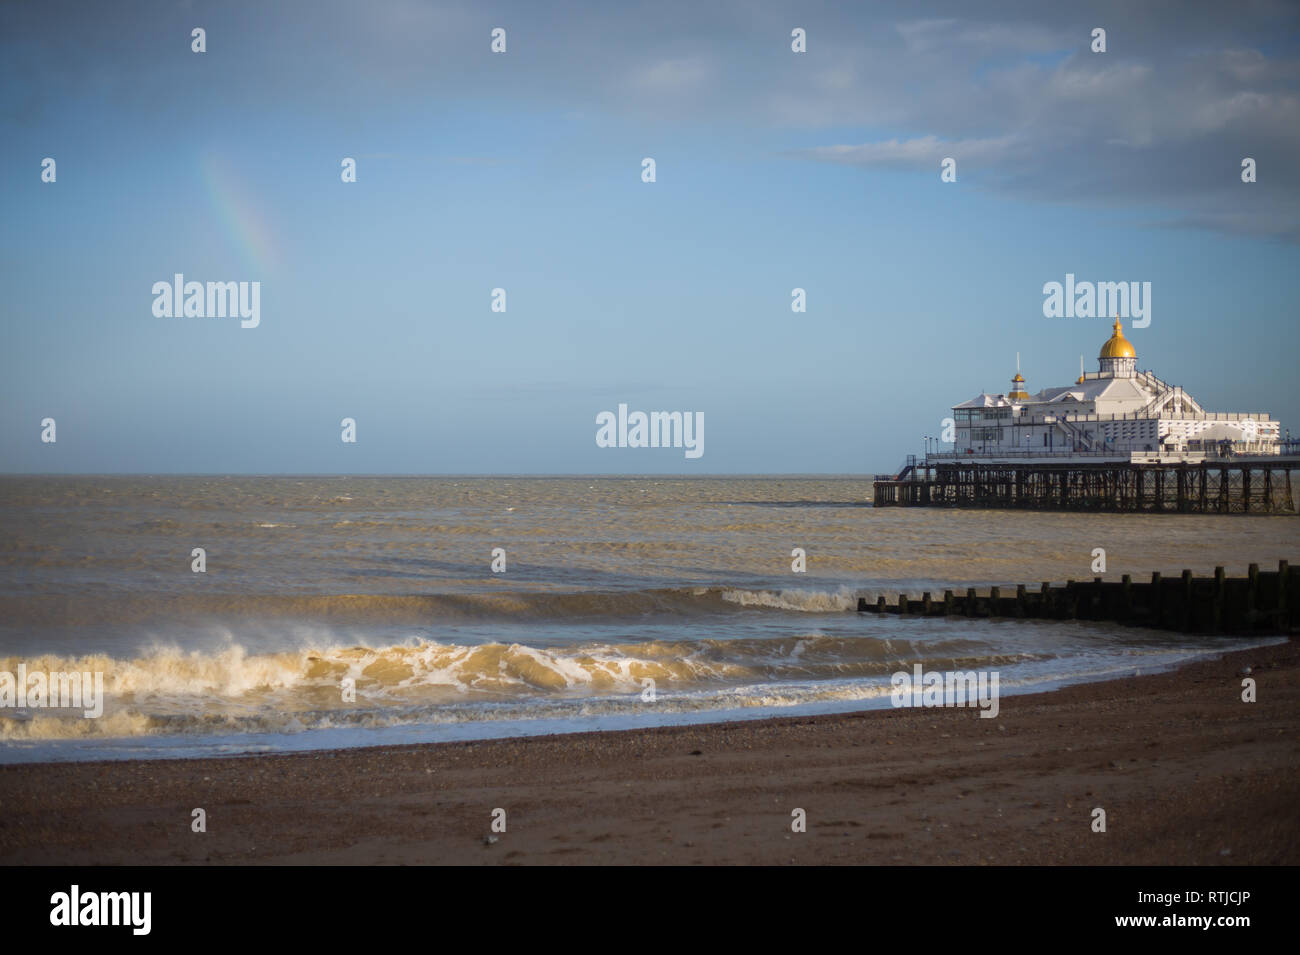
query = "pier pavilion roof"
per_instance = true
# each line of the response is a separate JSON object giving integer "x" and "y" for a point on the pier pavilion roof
{"x": 985, "y": 401}
{"x": 1129, "y": 393}
{"x": 1096, "y": 389}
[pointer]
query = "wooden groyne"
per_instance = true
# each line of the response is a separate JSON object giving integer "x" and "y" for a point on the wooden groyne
{"x": 1262, "y": 602}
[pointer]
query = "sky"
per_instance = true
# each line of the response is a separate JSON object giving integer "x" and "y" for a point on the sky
{"x": 522, "y": 170}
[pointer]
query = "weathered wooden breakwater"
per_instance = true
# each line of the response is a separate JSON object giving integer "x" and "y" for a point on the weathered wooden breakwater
{"x": 1257, "y": 486}
{"x": 1262, "y": 602}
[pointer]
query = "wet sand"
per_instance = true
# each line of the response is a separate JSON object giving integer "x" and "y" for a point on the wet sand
{"x": 1186, "y": 772}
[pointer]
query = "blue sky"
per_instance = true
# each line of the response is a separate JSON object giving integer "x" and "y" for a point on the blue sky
{"x": 521, "y": 170}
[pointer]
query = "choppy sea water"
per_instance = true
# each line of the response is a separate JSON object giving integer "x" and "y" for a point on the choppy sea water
{"x": 386, "y": 584}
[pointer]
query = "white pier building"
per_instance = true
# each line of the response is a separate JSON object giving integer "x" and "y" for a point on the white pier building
{"x": 1117, "y": 413}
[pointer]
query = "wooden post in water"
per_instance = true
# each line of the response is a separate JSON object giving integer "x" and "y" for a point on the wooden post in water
{"x": 1283, "y": 569}
{"x": 1219, "y": 588}
{"x": 1252, "y": 595}
{"x": 1185, "y": 611}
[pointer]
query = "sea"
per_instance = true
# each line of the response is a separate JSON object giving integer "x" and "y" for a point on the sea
{"x": 239, "y": 615}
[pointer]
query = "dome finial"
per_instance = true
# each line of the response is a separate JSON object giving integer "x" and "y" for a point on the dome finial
{"x": 1017, "y": 392}
{"x": 1117, "y": 346}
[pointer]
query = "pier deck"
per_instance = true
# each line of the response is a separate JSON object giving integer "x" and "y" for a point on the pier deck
{"x": 1232, "y": 486}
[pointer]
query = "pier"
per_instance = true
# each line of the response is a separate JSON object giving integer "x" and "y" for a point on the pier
{"x": 1262, "y": 602}
{"x": 1258, "y": 485}
{"x": 1117, "y": 439}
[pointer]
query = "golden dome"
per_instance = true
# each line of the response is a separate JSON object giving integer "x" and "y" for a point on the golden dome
{"x": 1017, "y": 378}
{"x": 1117, "y": 346}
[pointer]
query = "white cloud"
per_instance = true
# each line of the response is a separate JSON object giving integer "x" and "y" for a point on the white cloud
{"x": 944, "y": 36}
{"x": 673, "y": 77}
{"x": 922, "y": 151}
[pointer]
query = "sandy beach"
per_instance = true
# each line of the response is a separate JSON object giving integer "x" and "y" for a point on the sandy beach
{"x": 1186, "y": 772}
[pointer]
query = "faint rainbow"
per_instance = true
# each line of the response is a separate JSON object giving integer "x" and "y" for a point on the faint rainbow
{"x": 241, "y": 218}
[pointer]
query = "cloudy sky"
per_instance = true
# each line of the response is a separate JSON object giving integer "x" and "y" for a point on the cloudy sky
{"x": 475, "y": 170}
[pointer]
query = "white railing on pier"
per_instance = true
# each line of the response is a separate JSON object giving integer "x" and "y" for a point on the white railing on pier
{"x": 1252, "y": 449}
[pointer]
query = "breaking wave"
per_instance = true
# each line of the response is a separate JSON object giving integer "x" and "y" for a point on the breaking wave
{"x": 169, "y": 690}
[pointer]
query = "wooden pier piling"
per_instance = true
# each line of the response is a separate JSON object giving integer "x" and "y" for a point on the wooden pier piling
{"x": 1259, "y": 485}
